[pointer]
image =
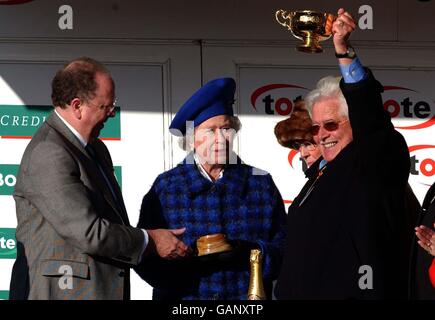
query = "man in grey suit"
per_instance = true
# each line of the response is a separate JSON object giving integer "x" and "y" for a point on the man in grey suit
{"x": 74, "y": 237}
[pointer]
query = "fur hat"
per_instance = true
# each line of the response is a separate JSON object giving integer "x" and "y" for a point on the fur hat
{"x": 296, "y": 128}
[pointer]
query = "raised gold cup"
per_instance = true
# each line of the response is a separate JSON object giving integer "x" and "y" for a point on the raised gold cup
{"x": 309, "y": 26}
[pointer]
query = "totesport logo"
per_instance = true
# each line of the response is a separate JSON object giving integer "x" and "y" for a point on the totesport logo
{"x": 423, "y": 163}
{"x": 292, "y": 154}
{"x": 22, "y": 121}
{"x": 8, "y": 243}
{"x": 408, "y": 108}
{"x": 275, "y": 102}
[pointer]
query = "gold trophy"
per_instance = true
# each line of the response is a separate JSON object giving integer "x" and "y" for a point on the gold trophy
{"x": 308, "y": 26}
{"x": 212, "y": 243}
{"x": 256, "y": 289}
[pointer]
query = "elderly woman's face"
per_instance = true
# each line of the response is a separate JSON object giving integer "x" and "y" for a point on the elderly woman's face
{"x": 310, "y": 152}
{"x": 214, "y": 140}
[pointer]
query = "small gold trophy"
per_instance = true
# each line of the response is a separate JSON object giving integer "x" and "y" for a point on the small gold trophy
{"x": 212, "y": 243}
{"x": 308, "y": 26}
{"x": 256, "y": 289}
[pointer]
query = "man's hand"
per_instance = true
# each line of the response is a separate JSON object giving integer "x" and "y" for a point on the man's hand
{"x": 166, "y": 244}
{"x": 426, "y": 238}
{"x": 342, "y": 27}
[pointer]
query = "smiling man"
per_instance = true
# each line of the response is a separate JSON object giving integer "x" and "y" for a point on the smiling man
{"x": 331, "y": 126}
{"x": 349, "y": 235}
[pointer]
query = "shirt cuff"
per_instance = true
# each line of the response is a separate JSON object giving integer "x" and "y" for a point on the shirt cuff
{"x": 353, "y": 72}
{"x": 145, "y": 243}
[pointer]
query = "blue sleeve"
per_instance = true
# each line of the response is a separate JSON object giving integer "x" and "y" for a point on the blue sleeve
{"x": 353, "y": 72}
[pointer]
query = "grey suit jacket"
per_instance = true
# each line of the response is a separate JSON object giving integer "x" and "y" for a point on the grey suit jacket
{"x": 74, "y": 239}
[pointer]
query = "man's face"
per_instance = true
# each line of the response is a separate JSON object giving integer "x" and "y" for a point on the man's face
{"x": 334, "y": 130}
{"x": 100, "y": 108}
{"x": 214, "y": 140}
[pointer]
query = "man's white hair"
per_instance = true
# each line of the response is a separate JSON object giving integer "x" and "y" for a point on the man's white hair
{"x": 327, "y": 87}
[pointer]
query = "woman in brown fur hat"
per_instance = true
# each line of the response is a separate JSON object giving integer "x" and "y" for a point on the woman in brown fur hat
{"x": 295, "y": 133}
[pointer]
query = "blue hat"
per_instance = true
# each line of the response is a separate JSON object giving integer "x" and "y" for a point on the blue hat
{"x": 214, "y": 98}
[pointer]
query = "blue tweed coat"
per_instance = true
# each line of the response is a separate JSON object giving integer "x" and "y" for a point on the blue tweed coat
{"x": 242, "y": 204}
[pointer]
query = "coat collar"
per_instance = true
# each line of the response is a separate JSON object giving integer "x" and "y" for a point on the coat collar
{"x": 57, "y": 124}
{"x": 313, "y": 169}
{"x": 235, "y": 174}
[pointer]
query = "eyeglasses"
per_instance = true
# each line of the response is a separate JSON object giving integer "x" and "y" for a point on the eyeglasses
{"x": 109, "y": 108}
{"x": 297, "y": 145}
{"x": 226, "y": 132}
{"x": 112, "y": 107}
{"x": 328, "y": 126}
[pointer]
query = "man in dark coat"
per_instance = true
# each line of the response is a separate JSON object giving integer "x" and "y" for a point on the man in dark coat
{"x": 211, "y": 192}
{"x": 348, "y": 231}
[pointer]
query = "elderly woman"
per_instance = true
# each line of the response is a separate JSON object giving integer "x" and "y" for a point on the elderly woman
{"x": 295, "y": 133}
{"x": 211, "y": 192}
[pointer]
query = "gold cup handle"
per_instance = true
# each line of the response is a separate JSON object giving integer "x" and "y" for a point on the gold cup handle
{"x": 281, "y": 17}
